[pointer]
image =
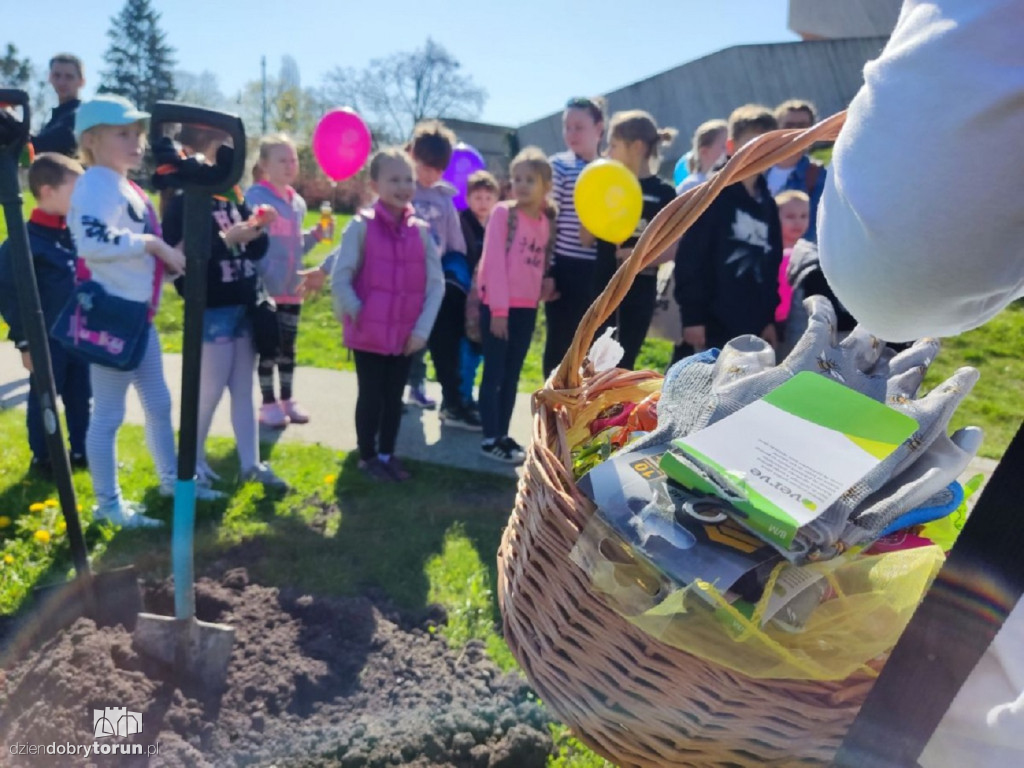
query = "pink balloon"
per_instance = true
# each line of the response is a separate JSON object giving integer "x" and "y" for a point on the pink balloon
{"x": 341, "y": 143}
{"x": 465, "y": 161}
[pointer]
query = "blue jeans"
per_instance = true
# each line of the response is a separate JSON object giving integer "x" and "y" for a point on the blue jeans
{"x": 470, "y": 356}
{"x": 503, "y": 362}
{"x": 71, "y": 377}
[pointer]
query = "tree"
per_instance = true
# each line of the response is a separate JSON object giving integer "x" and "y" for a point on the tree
{"x": 291, "y": 108}
{"x": 201, "y": 90}
{"x": 14, "y": 72}
{"x": 139, "y": 57}
{"x": 394, "y": 93}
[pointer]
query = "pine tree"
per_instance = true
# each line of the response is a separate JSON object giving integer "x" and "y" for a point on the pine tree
{"x": 141, "y": 62}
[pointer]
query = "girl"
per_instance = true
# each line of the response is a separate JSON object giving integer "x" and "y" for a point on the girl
{"x": 387, "y": 285}
{"x": 229, "y": 358}
{"x": 570, "y": 291}
{"x": 278, "y": 168}
{"x": 517, "y": 247}
{"x": 709, "y": 148}
{"x": 114, "y": 229}
{"x": 633, "y": 140}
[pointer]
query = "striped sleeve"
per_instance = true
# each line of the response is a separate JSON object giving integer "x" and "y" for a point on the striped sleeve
{"x": 566, "y": 168}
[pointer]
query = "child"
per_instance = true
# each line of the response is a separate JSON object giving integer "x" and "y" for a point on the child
{"x": 431, "y": 149}
{"x": 633, "y": 140}
{"x": 727, "y": 264}
{"x": 571, "y": 289}
{"x": 388, "y": 285}
{"x": 114, "y": 229}
{"x": 794, "y": 217}
{"x": 481, "y": 196}
{"x": 279, "y": 269}
{"x": 232, "y": 285}
{"x": 51, "y": 180}
{"x": 517, "y": 248}
{"x": 708, "y": 151}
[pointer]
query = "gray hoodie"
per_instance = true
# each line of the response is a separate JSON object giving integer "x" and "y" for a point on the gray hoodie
{"x": 288, "y": 242}
{"x": 434, "y": 205}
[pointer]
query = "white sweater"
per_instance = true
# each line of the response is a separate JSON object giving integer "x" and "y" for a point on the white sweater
{"x": 922, "y": 225}
{"x": 107, "y": 220}
{"x": 921, "y": 232}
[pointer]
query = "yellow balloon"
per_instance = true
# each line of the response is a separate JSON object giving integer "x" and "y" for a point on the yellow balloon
{"x": 608, "y": 200}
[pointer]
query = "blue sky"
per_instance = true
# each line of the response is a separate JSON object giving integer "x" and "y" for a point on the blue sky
{"x": 530, "y": 55}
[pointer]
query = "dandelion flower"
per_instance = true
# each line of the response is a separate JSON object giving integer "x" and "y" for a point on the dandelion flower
{"x": 5, "y": 521}
{"x": 43, "y": 537}
{"x": 61, "y": 526}
{"x": 51, "y": 503}
{"x": 329, "y": 479}
{"x": 37, "y": 507}
{"x": 8, "y": 559}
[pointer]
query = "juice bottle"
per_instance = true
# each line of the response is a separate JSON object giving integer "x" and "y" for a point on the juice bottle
{"x": 327, "y": 220}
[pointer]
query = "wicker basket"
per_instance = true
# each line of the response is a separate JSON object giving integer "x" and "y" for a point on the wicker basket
{"x": 628, "y": 696}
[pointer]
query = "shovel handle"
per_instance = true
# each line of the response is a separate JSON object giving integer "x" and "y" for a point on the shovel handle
{"x": 14, "y": 133}
{"x": 165, "y": 112}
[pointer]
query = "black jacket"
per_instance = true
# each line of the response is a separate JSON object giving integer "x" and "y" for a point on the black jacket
{"x": 473, "y": 231}
{"x": 53, "y": 256}
{"x": 727, "y": 265}
{"x": 231, "y": 276}
{"x": 58, "y": 135}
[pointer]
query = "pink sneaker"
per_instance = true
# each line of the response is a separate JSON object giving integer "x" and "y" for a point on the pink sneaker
{"x": 295, "y": 412}
{"x": 273, "y": 416}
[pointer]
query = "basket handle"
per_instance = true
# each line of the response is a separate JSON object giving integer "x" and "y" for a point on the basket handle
{"x": 677, "y": 217}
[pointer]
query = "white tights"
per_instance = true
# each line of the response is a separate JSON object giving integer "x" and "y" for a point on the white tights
{"x": 231, "y": 365}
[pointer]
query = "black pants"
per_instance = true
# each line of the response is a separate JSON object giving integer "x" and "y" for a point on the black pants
{"x": 445, "y": 340}
{"x": 633, "y": 317}
{"x": 574, "y": 280}
{"x": 381, "y": 379}
{"x": 71, "y": 377}
{"x": 288, "y": 326}
{"x": 503, "y": 362}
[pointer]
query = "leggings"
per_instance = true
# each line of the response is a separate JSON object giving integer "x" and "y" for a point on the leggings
{"x": 109, "y": 387}
{"x": 381, "y": 379}
{"x": 230, "y": 364}
{"x": 503, "y": 362}
{"x": 288, "y": 324}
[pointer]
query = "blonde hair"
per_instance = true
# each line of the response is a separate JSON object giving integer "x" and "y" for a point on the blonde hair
{"x": 272, "y": 142}
{"x": 796, "y": 105}
{"x": 789, "y": 195}
{"x": 751, "y": 117}
{"x": 535, "y": 160}
{"x": 385, "y": 155}
{"x": 637, "y": 125}
{"x": 51, "y": 169}
{"x": 482, "y": 180}
{"x": 707, "y": 133}
{"x": 85, "y": 155}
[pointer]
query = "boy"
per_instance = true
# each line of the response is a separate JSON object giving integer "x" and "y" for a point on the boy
{"x": 481, "y": 196}
{"x": 727, "y": 264}
{"x": 431, "y": 149}
{"x": 801, "y": 173}
{"x": 51, "y": 179}
{"x": 58, "y": 135}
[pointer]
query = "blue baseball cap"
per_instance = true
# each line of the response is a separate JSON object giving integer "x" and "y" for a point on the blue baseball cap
{"x": 106, "y": 109}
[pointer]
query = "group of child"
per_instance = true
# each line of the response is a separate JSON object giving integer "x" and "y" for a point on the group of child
{"x": 411, "y": 274}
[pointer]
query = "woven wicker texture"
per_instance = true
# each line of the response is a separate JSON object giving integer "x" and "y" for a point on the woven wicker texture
{"x": 631, "y": 698}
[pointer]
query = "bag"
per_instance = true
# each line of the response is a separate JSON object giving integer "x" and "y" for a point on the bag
{"x": 667, "y": 322}
{"x": 102, "y": 329}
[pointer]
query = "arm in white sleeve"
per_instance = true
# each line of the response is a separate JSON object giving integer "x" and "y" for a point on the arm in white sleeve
{"x": 96, "y": 209}
{"x": 345, "y": 267}
{"x": 921, "y": 227}
{"x": 435, "y": 286}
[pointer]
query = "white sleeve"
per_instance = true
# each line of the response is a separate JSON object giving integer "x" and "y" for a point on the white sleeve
{"x": 921, "y": 228}
{"x": 345, "y": 267}
{"x": 96, "y": 209}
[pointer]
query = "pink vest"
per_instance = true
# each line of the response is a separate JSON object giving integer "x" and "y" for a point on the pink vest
{"x": 391, "y": 284}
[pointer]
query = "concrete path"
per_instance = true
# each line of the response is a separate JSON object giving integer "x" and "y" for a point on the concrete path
{"x": 330, "y": 397}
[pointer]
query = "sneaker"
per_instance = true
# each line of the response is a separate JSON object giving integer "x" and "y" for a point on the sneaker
{"x": 273, "y": 416}
{"x": 205, "y": 475}
{"x": 418, "y": 397}
{"x": 41, "y": 467}
{"x": 203, "y": 491}
{"x": 397, "y": 470}
{"x": 296, "y": 413}
{"x": 265, "y": 476}
{"x": 79, "y": 461}
{"x": 461, "y": 418}
{"x": 126, "y": 514}
{"x": 375, "y": 469}
{"x": 513, "y": 447}
{"x": 472, "y": 408}
{"x": 499, "y": 452}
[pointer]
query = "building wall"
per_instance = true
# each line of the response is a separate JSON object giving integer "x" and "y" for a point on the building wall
{"x": 830, "y": 19}
{"x": 828, "y": 72}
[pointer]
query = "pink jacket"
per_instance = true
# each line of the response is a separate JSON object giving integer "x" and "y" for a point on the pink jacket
{"x": 390, "y": 283}
{"x": 511, "y": 277}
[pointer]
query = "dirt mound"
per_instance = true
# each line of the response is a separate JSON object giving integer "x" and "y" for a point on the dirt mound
{"x": 312, "y": 682}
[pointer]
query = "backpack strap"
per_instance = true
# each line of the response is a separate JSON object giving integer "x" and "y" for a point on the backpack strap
{"x": 153, "y": 223}
{"x": 513, "y": 223}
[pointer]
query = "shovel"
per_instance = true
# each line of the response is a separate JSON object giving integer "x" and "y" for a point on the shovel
{"x": 199, "y": 651}
{"x": 108, "y": 598}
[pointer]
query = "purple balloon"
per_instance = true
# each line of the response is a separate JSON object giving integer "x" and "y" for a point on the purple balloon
{"x": 465, "y": 162}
